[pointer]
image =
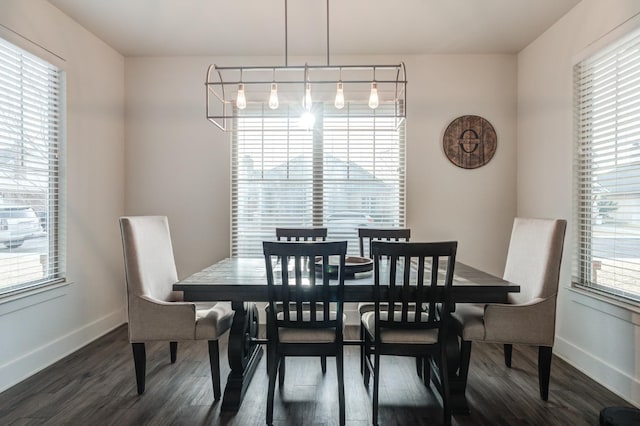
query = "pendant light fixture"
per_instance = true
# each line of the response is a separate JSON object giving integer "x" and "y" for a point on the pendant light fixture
{"x": 339, "y": 102}
{"x": 241, "y": 99}
{"x": 374, "y": 101}
{"x": 276, "y": 91}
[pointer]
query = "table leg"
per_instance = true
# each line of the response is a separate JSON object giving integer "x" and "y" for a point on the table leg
{"x": 244, "y": 354}
{"x": 458, "y": 369}
{"x": 458, "y": 366}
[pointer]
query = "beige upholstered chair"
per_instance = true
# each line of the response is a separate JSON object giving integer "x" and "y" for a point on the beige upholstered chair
{"x": 156, "y": 312}
{"x": 533, "y": 262}
{"x": 312, "y": 320}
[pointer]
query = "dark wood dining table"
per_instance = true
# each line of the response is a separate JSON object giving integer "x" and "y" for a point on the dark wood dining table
{"x": 242, "y": 281}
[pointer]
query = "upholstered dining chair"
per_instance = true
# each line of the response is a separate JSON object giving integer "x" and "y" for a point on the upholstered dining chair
{"x": 402, "y": 326}
{"x": 533, "y": 262}
{"x": 298, "y": 234}
{"x": 311, "y": 320}
{"x": 155, "y": 311}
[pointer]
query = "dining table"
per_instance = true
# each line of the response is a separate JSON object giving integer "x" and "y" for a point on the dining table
{"x": 243, "y": 282}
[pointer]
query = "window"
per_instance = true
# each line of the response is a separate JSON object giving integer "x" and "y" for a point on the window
{"x": 347, "y": 172}
{"x": 30, "y": 138}
{"x": 607, "y": 169}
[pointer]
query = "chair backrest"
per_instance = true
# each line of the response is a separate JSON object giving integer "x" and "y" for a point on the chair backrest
{"x": 368, "y": 235}
{"x": 534, "y": 258}
{"x": 308, "y": 292}
{"x": 148, "y": 256}
{"x": 416, "y": 278}
{"x": 301, "y": 234}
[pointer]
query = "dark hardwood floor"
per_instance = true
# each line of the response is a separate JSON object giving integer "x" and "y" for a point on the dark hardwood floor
{"x": 96, "y": 386}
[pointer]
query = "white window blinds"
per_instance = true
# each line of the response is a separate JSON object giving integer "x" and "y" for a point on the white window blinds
{"x": 348, "y": 172}
{"x": 607, "y": 169}
{"x": 30, "y": 135}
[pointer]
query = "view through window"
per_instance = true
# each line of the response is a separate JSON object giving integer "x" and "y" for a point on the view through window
{"x": 30, "y": 138}
{"x": 348, "y": 172}
{"x": 607, "y": 184}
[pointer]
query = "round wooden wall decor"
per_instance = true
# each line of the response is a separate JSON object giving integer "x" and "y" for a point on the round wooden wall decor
{"x": 470, "y": 142}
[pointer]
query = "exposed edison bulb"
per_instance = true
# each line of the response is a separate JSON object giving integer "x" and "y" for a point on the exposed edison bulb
{"x": 307, "y": 120}
{"x": 339, "y": 103}
{"x": 373, "y": 96}
{"x": 273, "y": 97}
{"x": 241, "y": 100}
{"x": 307, "y": 102}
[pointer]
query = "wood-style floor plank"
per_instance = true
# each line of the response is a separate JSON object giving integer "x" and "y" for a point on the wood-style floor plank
{"x": 96, "y": 386}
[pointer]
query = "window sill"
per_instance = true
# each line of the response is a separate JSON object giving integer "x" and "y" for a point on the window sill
{"x": 23, "y": 299}
{"x": 610, "y": 304}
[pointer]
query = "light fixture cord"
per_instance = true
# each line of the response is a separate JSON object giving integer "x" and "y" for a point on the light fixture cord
{"x": 286, "y": 34}
{"x": 327, "y": 32}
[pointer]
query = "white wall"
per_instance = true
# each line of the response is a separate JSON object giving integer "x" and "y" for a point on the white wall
{"x": 37, "y": 330}
{"x": 598, "y": 337}
{"x": 178, "y": 163}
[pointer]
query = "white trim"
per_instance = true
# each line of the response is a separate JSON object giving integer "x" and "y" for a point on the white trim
{"x": 605, "y": 302}
{"x": 23, "y": 367}
{"x": 32, "y": 47}
{"x": 606, "y": 39}
{"x": 620, "y": 383}
{"x": 23, "y": 299}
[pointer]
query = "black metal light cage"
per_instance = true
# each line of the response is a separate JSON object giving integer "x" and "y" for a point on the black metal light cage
{"x": 322, "y": 80}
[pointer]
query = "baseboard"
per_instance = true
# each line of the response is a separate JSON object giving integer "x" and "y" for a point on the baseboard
{"x": 618, "y": 382}
{"x": 19, "y": 369}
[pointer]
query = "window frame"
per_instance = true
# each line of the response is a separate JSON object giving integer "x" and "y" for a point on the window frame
{"x": 53, "y": 143}
{"x": 596, "y": 267}
{"x": 322, "y": 135}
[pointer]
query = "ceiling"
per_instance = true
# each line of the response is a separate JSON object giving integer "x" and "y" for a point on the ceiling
{"x": 257, "y": 27}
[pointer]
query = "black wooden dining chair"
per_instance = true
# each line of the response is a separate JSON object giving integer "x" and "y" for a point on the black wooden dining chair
{"x": 403, "y": 327}
{"x": 298, "y": 234}
{"x": 365, "y": 237}
{"x": 301, "y": 234}
{"x": 311, "y": 320}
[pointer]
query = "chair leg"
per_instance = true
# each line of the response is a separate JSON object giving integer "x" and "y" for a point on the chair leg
{"x": 214, "y": 360}
{"x": 508, "y": 350}
{"x": 376, "y": 386}
{"x": 281, "y": 371}
{"x": 273, "y": 371}
{"x": 366, "y": 359}
{"x": 419, "y": 366}
{"x": 140, "y": 364}
{"x": 426, "y": 371}
{"x": 173, "y": 350}
{"x": 340, "y": 372}
{"x": 269, "y": 343}
{"x": 465, "y": 359}
{"x": 444, "y": 381}
{"x": 544, "y": 370}
{"x": 323, "y": 364}
{"x": 362, "y": 349}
